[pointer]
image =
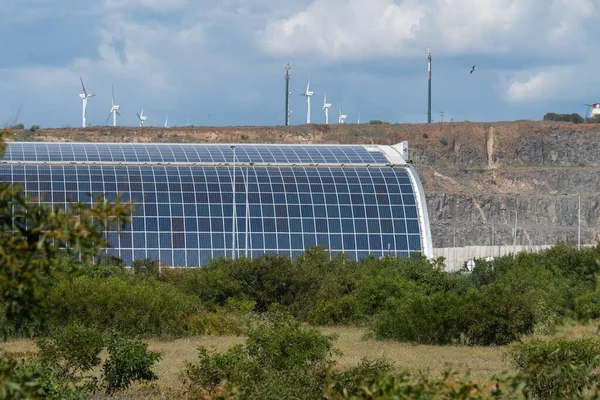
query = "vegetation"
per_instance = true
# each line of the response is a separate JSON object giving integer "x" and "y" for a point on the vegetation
{"x": 87, "y": 314}
{"x": 574, "y": 118}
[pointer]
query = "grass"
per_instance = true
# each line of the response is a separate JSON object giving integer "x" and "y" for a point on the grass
{"x": 482, "y": 363}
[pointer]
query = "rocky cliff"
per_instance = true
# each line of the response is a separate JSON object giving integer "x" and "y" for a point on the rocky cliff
{"x": 477, "y": 176}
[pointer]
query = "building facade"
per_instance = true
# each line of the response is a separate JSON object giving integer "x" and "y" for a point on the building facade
{"x": 194, "y": 202}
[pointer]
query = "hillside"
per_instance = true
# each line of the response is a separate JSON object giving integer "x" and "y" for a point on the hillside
{"x": 475, "y": 174}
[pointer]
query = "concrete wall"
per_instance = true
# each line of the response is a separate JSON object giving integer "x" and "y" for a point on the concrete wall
{"x": 456, "y": 257}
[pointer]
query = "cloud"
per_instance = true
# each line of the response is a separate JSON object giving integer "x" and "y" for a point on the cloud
{"x": 536, "y": 86}
{"x": 341, "y": 30}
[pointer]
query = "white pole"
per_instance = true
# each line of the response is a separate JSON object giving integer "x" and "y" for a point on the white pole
{"x": 247, "y": 215}
{"x": 578, "y": 221}
{"x": 308, "y": 111}
{"x": 515, "y": 236}
{"x": 83, "y": 112}
{"x": 233, "y": 214}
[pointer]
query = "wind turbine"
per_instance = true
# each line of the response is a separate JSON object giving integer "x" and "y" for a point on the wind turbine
{"x": 326, "y": 107}
{"x": 141, "y": 117}
{"x": 342, "y": 117}
{"x": 308, "y": 95}
{"x": 167, "y": 121}
{"x": 84, "y": 96}
{"x": 114, "y": 110}
{"x": 588, "y": 111}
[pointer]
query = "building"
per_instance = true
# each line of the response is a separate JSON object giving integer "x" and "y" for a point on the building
{"x": 355, "y": 199}
{"x": 595, "y": 110}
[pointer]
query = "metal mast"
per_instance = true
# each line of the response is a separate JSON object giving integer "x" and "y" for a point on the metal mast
{"x": 429, "y": 85}
{"x": 288, "y": 75}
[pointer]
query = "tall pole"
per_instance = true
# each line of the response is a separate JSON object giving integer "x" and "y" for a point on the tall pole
{"x": 429, "y": 86}
{"x": 288, "y": 75}
{"x": 578, "y": 221}
{"x": 234, "y": 208}
{"x": 515, "y": 236}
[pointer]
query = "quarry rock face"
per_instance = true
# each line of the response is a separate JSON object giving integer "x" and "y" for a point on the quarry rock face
{"x": 477, "y": 176}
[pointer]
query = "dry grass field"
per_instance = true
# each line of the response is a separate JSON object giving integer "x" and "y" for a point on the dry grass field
{"x": 482, "y": 363}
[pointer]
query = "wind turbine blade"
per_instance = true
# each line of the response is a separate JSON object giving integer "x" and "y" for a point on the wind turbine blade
{"x": 138, "y": 115}
{"x": 113, "y": 95}
{"x": 118, "y": 113}
{"x": 83, "y": 86}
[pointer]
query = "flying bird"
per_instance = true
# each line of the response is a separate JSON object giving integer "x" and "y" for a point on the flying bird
{"x": 472, "y": 69}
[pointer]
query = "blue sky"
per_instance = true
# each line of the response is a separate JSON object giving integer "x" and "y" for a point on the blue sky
{"x": 221, "y": 62}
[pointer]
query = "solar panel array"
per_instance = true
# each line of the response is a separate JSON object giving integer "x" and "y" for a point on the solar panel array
{"x": 184, "y": 215}
{"x": 193, "y": 153}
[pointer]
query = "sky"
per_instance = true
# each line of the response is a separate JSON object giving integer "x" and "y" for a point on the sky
{"x": 221, "y": 62}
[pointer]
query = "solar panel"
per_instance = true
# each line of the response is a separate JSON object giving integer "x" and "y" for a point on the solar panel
{"x": 193, "y": 153}
{"x": 184, "y": 215}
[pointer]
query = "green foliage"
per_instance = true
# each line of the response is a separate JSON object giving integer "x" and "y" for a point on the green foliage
{"x": 123, "y": 303}
{"x": 558, "y": 369}
{"x": 128, "y": 360}
{"x": 146, "y": 266}
{"x": 71, "y": 351}
{"x": 376, "y": 122}
{"x": 574, "y": 118}
{"x": 348, "y": 381}
{"x": 587, "y": 306}
{"x": 281, "y": 359}
{"x": 403, "y": 385}
{"x": 34, "y": 380}
{"x": 444, "y": 141}
{"x": 31, "y": 238}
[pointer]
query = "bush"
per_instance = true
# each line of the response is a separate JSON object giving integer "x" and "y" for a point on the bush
{"x": 558, "y": 368}
{"x": 127, "y": 304}
{"x": 128, "y": 360}
{"x": 349, "y": 380}
{"x": 403, "y": 385}
{"x": 444, "y": 141}
{"x": 587, "y": 306}
{"x": 281, "y": 359}
{"x": 73, "y": 350}
{"x": 34, "y": 380}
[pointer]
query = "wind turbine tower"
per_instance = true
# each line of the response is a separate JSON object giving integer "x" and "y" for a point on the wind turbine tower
{"x": 308, "y": 95}
{"x": 288, "y": 76}
{"x": 429, "y": 86}
{"x": 114, "y": 110}
{"x": 342, "y": 117}
{"x": 326, "y": 107}
{"x": 84, "y": 96}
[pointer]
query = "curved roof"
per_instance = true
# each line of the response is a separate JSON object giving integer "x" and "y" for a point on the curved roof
{"x": 200, "y": 153}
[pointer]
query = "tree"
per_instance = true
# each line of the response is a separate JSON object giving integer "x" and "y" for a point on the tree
{"x": 34, "y": 235}
{"x": 574, "y": 118}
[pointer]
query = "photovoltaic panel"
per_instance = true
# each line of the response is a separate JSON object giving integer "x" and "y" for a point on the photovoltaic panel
{"x": 184, "y": 215}
{"x": 192, "y": 153}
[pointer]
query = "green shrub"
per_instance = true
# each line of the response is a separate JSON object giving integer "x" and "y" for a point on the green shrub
{"x": 558, "y": 369}
{"x": 281, "y": 359}
{"x": 349, "y": 380}
{"x": 146, "y": 266}
{"x": 587, "y": 306}
{"x": 128, "y": 304}
{"x": 73, "y": 350}
{"x": 128, "y": 360}
{"x": 420, "y": 318}
{"x": 34, "y": 380}
{"x": 403, "y": 385}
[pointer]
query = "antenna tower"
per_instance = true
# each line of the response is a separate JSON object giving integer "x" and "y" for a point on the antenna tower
{"x": 429, "y": 86}
{"x": 288, "y": 75}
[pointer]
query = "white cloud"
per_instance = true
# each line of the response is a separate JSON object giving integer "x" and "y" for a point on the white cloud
{"x": 536, "y": 86}
{"x": 355, "y": 29}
